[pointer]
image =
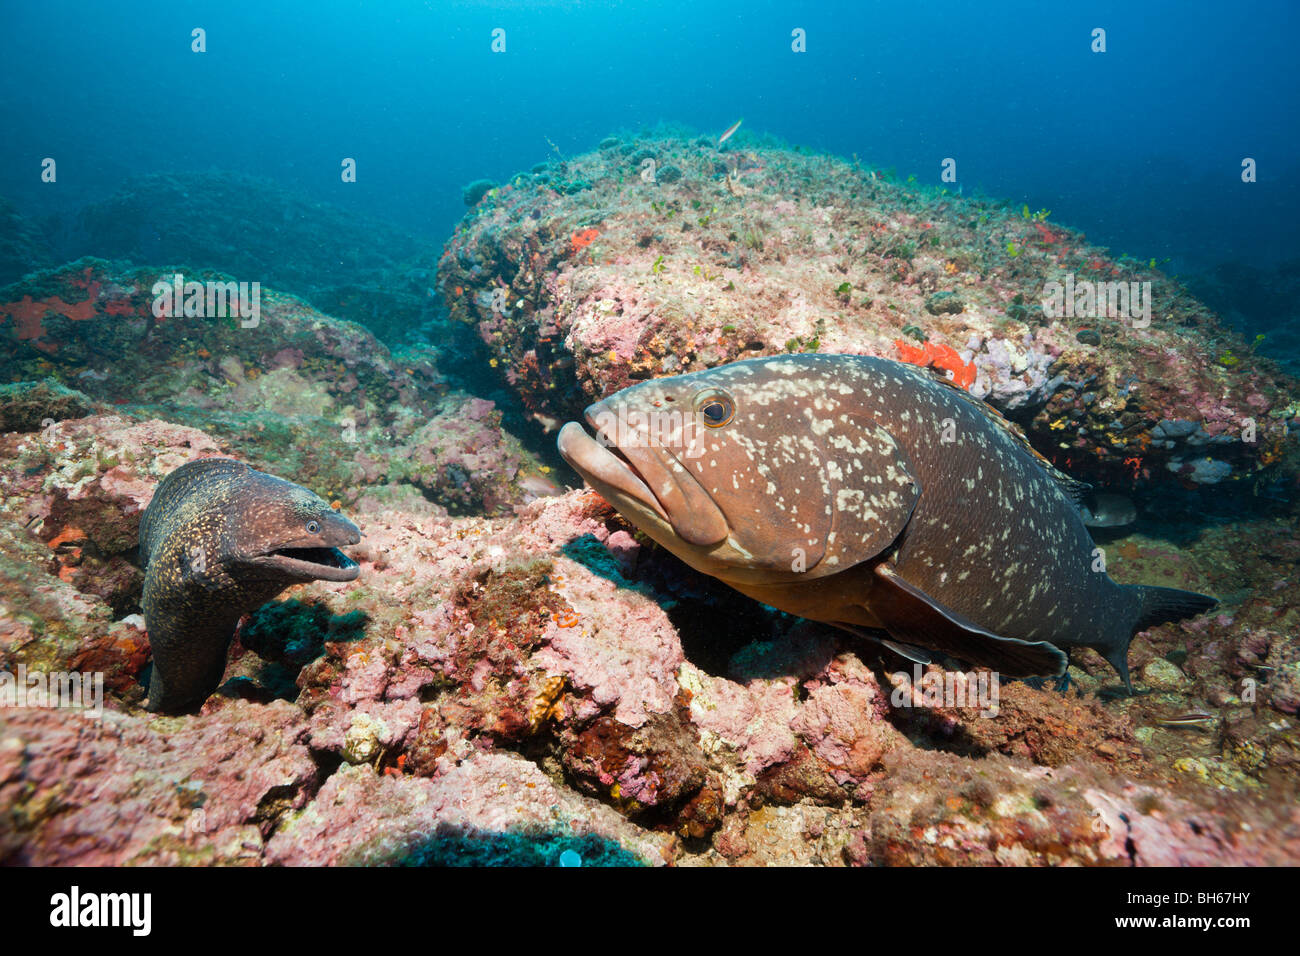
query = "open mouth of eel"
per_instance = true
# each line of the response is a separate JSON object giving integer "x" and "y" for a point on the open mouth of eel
{"x": 322, "y": 564}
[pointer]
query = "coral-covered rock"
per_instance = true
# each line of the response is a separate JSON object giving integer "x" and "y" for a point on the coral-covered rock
{"x": 461, "y": 458}
{"x": 1045, "y": 726}
{"x": 363, "y": 818}
{"x": 125, "y": 789}
{"x": 81, "y": 485}
{"x": 295, "y": 393}
{"x": 581, "y": 291}
{"x": 31, "y": 406}
{"x": 945, "y": 811}
{"x": 842, "y": 722}
{"x": 512, "y": 688}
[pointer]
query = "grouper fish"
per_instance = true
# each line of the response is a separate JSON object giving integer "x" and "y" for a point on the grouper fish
{"x": 870, "y": 495}
{"x": 218, "y": 540}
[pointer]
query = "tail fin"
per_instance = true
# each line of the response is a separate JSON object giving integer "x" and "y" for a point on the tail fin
{"x": 1162, "y": 605}
{"x": 1157, "y": 605}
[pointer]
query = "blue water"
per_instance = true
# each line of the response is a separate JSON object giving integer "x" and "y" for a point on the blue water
{"x": 1139, "y": 146}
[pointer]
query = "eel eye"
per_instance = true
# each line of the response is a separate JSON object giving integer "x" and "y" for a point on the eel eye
{"x": 715, "y": 407}
{"x": 313, "y": 527}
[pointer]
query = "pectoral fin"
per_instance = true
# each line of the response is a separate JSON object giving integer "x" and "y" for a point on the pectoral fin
{"x": 913, "y": 617}
{"x": 917, "y": 655}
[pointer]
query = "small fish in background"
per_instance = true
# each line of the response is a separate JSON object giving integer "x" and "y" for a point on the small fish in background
{"x": 729, "y": 133}
{"x": 548, "y": 423}
{"x": 538, "y": 486}
{"x": 1193, "y": 718}
{"x": 1105, "y": 510}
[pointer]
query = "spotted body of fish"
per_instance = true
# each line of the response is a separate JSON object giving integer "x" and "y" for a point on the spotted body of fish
{"x": 870, "y": 495}
{"x": 218, "y": 540}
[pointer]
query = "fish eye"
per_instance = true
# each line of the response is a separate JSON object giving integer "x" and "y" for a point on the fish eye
{"x": 715, "y": 407}
{"x": 313, "y": 527}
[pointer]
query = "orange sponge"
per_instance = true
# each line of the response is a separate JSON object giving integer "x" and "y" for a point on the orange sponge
{"x": 943, "y": 357}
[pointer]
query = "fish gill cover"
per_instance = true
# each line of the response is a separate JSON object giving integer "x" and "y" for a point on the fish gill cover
{"x": 392, "y": 287}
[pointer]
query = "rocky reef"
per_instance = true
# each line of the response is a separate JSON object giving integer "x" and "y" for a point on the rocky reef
{"x": 650, "y": 257}
{"x": 293, "y": 391}
{"x": 343, "y": 263}
{"x": 23, "y": 246}
{"x": 520, "y": 677}
{"x": 544, "y": 682}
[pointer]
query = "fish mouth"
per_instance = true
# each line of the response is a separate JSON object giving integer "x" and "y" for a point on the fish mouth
{"x": 642, "y": 478}
{"x": 608, "y": 471}
{"x": 320, "y": 564}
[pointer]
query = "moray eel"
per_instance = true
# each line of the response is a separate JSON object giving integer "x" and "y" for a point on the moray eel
{"x": 218, "y": 540}
{"x": 870, "y": 495}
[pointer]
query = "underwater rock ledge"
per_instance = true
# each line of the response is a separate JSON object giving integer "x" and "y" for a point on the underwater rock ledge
{"x": 294, "y": 392}
{"x": 585, "y": 275}
{"x": 533, "y": 683}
